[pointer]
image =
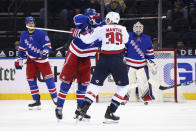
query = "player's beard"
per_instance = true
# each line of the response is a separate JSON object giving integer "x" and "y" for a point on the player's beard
{"x": 31, "y": 30}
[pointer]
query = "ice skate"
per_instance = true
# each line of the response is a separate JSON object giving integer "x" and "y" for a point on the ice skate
{"x": 35, "y": 106}
{"x": 81, "y": 114}
{"x": 110, "y": 118}
{"x": 85, "y": 117}
{"x": 59, "y": 113}
{"x": 146, "y": 103}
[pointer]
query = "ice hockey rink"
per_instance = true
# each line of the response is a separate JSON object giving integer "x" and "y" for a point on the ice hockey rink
{"x": 15, "y": 116}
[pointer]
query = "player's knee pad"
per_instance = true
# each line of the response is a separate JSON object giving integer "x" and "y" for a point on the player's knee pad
{"x": 120, "y": 93}
{"x": 92, "y": 91}
{"x": 81, "y": 89}
{"x": 50, "y": 83}
{"x": 64, "y": 87}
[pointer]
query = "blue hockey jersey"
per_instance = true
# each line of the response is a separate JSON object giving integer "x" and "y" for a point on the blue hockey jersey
{"x": 33, "y": 44}
{"x": 139, "y": 50}
{"x": 78, "y": 47}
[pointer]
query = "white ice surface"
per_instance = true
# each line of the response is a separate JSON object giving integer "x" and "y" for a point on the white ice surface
{"x": 15, "y": 116}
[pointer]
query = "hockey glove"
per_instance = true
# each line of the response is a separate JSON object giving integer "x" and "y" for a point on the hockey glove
{"x": 75, "y": 32}
{"x": 152, "y": 66}
{"x": 94, "y": 20}
{"x": 44, "y": 54}
{"x": 18, "y": 63}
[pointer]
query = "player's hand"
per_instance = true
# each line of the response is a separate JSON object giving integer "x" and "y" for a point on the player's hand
{"x": 44, "y": 54}
{"x": 152, "y": 66}
{"x": 75, "y": 32}
{"x": 18, "y": 63}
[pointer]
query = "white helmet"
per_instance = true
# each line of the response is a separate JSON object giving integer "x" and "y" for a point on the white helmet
{"x": 113, "y": 17}
{"x": 138, "y": 28}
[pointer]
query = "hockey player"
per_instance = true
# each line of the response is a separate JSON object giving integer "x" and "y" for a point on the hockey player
{"x": 36, "y": 45}
{"x": 113, "y": 37}
{"x": 77, "y": 63}
{"x": 140, "y": 53}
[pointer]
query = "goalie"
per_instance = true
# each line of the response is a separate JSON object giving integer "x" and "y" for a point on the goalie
{"x": 139, "y": 59}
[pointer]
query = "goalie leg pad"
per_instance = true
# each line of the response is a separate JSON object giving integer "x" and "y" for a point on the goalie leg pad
{"x": 132, "y": 81}
{"x": 148, "y": 96}
{"x": 145, "y": 89}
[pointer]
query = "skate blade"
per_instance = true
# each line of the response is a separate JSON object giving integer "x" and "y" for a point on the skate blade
{"x": 81, "y": 119}
{"x": 35, "y": 108}
{"x": 109, "y": 121}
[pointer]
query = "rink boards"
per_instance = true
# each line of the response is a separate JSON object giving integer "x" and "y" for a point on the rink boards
{"x": 13, "y": 84}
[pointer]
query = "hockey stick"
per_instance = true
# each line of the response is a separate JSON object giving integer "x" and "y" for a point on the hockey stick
{"x": 46, "y": 29}
{"x": 174, "y": 86}
{"x": 143, "y": 18}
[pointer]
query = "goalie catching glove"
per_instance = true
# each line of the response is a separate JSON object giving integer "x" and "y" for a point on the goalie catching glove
{"x": 152, "y": 66}
{"x": 18, "y": 63}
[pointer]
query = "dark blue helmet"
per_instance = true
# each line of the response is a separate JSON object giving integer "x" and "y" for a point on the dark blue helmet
{"x": 29, "y": 19}
{"x": 81, "y": 21}
{"x": 90, "y": 11}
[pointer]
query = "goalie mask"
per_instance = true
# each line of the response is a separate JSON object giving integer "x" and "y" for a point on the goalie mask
{"x": 138, "y": 28}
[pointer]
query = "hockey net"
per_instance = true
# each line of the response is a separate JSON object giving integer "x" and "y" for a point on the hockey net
{"x": 166, "y": 76}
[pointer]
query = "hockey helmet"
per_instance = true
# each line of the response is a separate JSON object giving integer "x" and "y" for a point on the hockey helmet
{"x": 138, "y": 28}
{"x": 112, "y": 17}
{"x": 90, "y": 12}
{"x": 29, "y": 19}
{"x": 81, "y": 21}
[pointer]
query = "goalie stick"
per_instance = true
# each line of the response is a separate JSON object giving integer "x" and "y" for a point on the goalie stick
{"x": 174, "y": 86}
{"x": 46, "y": 29}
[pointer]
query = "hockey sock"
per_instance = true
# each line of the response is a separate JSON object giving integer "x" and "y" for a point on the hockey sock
{"x": 80, "y": 93}
{"x": 34, "y": 89}
{"x": 64, "y": 88}
{"x": 114, "y": 106}
{"x": 51, "y": 87}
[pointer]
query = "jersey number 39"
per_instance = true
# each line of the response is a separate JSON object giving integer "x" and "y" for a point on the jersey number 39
{"x": 114, "y": 38}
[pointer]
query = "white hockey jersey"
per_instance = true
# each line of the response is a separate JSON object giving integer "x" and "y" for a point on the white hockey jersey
{"x": 113, "y": 38}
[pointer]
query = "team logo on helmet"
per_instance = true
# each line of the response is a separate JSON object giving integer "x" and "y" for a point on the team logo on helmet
{"x": 138, "y": 28}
